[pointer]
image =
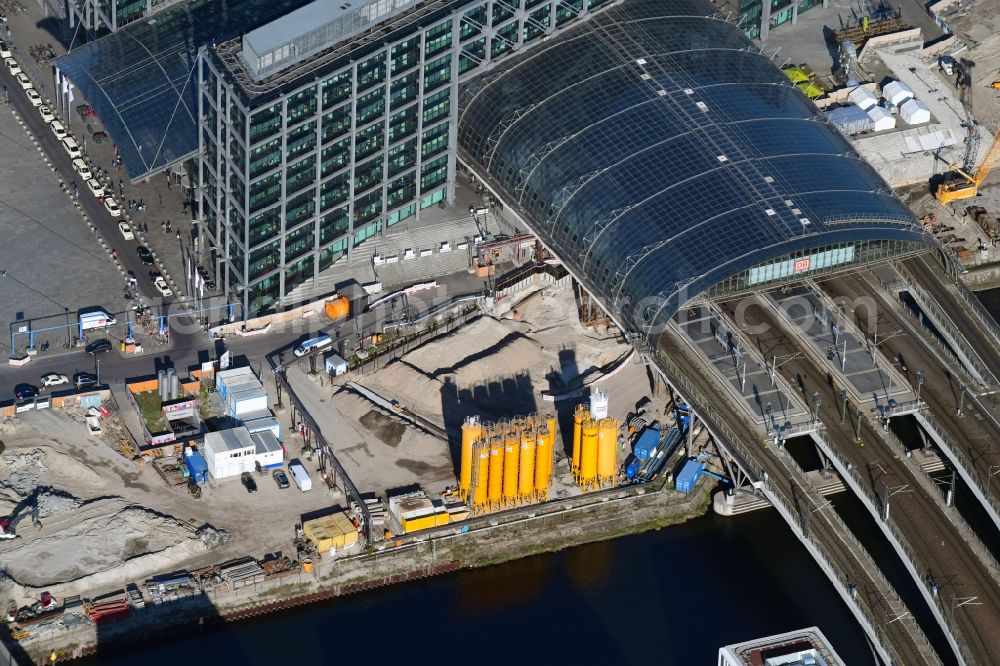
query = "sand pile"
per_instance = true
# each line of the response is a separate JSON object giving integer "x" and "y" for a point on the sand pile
{"x": 77, "y": 546}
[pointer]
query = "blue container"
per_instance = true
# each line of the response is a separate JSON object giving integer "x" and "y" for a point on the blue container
{"x": 688, "y": 476}
{"x": 196, "y": 466}
{"x": 647, "y": 443}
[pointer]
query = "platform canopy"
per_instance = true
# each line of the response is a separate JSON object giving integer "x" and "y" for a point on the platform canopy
{"x": 141, "y": 80}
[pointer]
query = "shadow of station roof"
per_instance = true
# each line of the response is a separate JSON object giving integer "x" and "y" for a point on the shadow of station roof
{"x": 141, "y": 80}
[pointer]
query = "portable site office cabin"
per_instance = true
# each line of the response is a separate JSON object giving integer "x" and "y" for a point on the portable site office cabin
{"x": 230, "y": 452}
{"x": 246, "y": 399}
{"x": 267, "y": 449}
{"x": 227, "y": 378}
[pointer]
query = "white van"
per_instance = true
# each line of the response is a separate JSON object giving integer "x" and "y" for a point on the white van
{"x": 314, "y": 344}
{"x": 300, "y": 476}
{"x": 71, "y": 147}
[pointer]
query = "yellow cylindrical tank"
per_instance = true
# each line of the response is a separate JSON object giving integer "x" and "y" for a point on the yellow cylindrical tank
{"x": 607, "y": 451}
{"x": 543, "y": 463}
{"x": 588, "y": 454}
{"x": 526, "y": 471}
{"x": 471, "y": 432}
{"x": 496, "y": 471}
{"x": 511, "y": 450}
{"x": 481, "y": 476}
{"x": 578, "y": 418}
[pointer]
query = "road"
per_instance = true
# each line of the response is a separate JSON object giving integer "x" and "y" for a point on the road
{"x": 941, "y": 551}
{"x": 851, "y": 563}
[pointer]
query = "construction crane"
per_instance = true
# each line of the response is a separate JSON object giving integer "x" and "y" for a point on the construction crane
{"x": 958, "y": 184}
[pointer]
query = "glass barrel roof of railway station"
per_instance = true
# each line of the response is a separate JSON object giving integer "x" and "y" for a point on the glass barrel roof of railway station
{"x": 659, "y": 153}
{"x": 141, "y": 80}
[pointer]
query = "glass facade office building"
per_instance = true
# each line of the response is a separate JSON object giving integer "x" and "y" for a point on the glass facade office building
{"x": 300, "y": 164}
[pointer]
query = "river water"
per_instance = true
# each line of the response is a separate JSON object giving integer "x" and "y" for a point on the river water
{"x": 670, "y": 597}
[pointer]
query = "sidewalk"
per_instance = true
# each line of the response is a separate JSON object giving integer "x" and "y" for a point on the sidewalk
{"x": 164, "y": 200}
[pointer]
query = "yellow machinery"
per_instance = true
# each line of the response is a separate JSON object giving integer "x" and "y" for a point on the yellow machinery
{"x": 471, "y": 432}
{"x": 607, "y": 454}
{"x": 960, "y": 185}
{"x": 588, "y": 455}
{"x": 526, "y": 473}
{"x": 543, "y": 462}
{"x": 579, "y": 416}
{"x": 511, "y": 449}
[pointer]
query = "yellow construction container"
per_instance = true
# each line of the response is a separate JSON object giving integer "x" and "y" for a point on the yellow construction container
{"x": 579, "y": 416}
{"x": 511, "y": 449}
{"x": 607, "y": 451}
{"x": 480, "y": 483}
{"x": 333, "y": 531}
{"x": 441, "y": 518}
{"x": 588, "y": 454}
{"x": 543, "y": 461}
{"x": 526, "y": 471}
{"x": 471, "y": 432}
{"x": 496, "y": 471}
{"x": 419, "y": 522}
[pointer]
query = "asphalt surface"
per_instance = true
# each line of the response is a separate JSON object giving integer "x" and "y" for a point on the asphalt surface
{"x": 906, "y": 641}
{"x": 940, "y": 551}
{"x": 95, "y": 210}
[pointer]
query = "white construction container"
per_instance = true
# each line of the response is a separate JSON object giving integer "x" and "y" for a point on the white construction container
{"x": 335, "y": 365}
{"x": 863, "y": 98}
{"x": 299, "y": 476}
{"x": 914, "y": 112}
{"x": 227, "y": 379}
{"x": 243, "y": 400}
{"x": 881, "y": 119}
{"x": 229, "y": 452}
{"x": 896, "y": 93}
{"x": 268, "y": 451}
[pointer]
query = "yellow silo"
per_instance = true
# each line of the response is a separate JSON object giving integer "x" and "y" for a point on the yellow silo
{"x": 588, "y": 454}
{"x": 526, "y": 472}
{"x": 607, "y": 457}
{"x": 471, "y": 432}
{"x": 578, "y": 418}
{"x": 496, "y": 471}
{"x": 543, "y": 463}
{"x": 481, "y": 475}
{"x": 511, "y": 449}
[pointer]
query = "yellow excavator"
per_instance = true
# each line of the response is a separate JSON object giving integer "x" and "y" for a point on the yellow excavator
{"x": 958, "y": 184}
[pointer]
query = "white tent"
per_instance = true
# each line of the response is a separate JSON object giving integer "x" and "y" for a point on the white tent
{"x": 914, "y": 112}
{"x": 881, "y": 119}
{"x": 863, "y": 98}
{"x": 896, "y": 93}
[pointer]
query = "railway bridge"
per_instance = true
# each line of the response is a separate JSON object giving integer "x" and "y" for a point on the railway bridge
{"x": 677, "y": 174}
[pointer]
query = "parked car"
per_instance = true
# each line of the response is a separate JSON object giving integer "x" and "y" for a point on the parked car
{"x": 248, "y": 482}
{"x": 12, "y": 66}
{"x": 280, "y": 478}
{"x": 58, "y": 129}
{"x": 25, "y": 391}
{"x": 99, "y": 346}
{"x": 100, "y": 137}
{"x": 113, "y": 208}
{"x": 145, "y": 256}
{"x": 5, "y": 50}
{"x": 46, "y": 113}
{"x": 54, "y": 379}
{"x": 95, "y": 188}
{"x": 161, "y": 286}
{"x": 81, "y": 168}
{"x": 84, "y": 379}
{"x": 123, "y": 226}
{"x": 34, "y": 97}
{"x": 23, "y": 80}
